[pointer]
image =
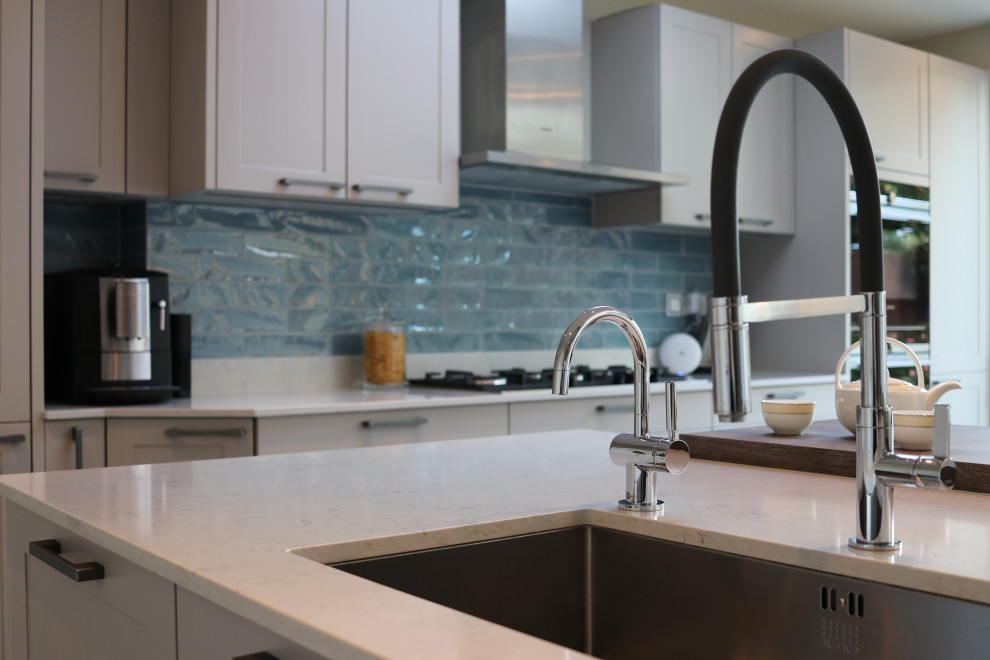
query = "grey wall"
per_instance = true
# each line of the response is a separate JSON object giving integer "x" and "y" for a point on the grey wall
{"x": 507, "y": 271}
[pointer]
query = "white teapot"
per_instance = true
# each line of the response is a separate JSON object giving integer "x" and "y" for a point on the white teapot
{"x": 901, "y": 395}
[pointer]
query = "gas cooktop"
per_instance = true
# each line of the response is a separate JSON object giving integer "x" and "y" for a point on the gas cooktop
{"x": 521, "y": 379}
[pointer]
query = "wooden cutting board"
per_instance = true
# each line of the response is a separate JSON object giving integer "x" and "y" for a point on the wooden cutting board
{"x": 827, "y": 448}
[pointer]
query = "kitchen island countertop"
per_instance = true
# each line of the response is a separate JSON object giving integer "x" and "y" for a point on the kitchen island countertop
{"x": 223, "y": 529}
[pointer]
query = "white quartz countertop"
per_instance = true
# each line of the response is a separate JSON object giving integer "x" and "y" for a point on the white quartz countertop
{"x": 359, "y": 400}
{"x": 223, "y": 529}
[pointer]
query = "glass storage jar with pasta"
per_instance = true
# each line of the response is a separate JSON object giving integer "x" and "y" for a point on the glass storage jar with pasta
{"x": 385, "y": 353}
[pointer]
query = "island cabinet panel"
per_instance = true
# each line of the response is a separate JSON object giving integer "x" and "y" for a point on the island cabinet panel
{"x": 140, "y": 441}
{"x": 285, "y": 435}
{"x": 208, "y": 632}
{"x": 611, "y": 413}
{"x": 75, "y": 444}
{"x": 129, "y": 613}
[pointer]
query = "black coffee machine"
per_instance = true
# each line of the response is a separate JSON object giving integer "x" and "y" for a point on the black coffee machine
{"x": 107, "y": 337}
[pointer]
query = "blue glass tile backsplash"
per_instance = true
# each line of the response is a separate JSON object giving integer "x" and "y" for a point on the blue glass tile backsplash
{"x": 506, "y": 271}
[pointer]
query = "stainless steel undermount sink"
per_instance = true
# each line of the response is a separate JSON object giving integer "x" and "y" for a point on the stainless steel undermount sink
{"x": 618, "y": 595}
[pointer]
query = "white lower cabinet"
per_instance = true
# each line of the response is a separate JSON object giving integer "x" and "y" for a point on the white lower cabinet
{"x": 207, "y": 632}
{"x": 968, "y": 405}
{"x": 128, "y": 613}
{"x": 613, "y": 413}
{"x": 74, "y": 444}
{"x": 284, "y": 435}
{"x": 140, "y": 441}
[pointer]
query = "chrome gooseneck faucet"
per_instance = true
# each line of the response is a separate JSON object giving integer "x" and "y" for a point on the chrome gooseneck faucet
{"x": 642, "y": 454}
{"x": 878, "y": 467}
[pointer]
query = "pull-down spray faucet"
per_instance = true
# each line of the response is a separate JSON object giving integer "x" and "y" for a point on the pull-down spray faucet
{"x": 878, "y": 468}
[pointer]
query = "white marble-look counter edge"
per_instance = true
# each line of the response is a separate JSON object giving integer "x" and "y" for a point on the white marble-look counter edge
{"x": 359, "y": 400}
{"x": 433, "y": 494}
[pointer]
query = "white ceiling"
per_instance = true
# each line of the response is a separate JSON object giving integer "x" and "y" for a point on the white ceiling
{"x": 897, "y": 20}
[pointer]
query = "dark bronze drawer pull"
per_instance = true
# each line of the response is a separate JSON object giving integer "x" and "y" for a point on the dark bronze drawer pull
{"x": 49, "y": 551}
{"x": 77, "y": 438}
{"x": 394, "y": 423}
{"x": 12, "y": 439}
{"x": 264, "y": 655}
{"x": 618, "y": 408}
{"x": 201, "y": 433}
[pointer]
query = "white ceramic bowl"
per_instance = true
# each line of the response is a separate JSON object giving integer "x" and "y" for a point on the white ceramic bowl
{"x": 913, "y": 429}
{"x": 788, "y": 416}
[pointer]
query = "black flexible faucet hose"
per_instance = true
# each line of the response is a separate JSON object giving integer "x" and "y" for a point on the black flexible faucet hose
{"x": 725, "y": 165}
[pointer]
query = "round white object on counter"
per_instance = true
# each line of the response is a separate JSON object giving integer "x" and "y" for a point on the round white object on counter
{"x": 913, "y": 429}
{"x": 680, "y": 353}
{"x": 788, "y": 416}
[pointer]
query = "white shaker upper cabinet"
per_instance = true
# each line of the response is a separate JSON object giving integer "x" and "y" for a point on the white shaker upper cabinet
{"x": 85, "y": 73}
{"x": 281, "y": 97}
{"x": 403, "y": 101}
{"x": 960, "y": 237}
{"x": 890, "y": 84}
{"x": 765, "y": 187}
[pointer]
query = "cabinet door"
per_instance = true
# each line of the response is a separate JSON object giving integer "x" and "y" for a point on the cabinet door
{"x": 140, "y": 441}
{"x": 960, "y": 237}
{"x": 130, "y": 613}
{"x": 207, "y": 631}
{"x": 15, "y": 448}
{"x": 85, "y": 68}
{"x": 612, "y": 413}
{"x": 695, "y": 77}
{"x": 766, "y": 162}
{"x": 75, "y": 444}
{"x": 890, "y": 84}
{"x": 281, "y": 75}
{"x": 403, "y": 101}
{"x": 284, "y": 435}
{"x": 15, "y": 215}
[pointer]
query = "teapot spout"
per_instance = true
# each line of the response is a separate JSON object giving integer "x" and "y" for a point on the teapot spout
{"x": 936, "y": 392}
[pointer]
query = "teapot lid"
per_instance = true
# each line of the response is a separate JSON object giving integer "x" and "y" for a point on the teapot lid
{"x": 894, "y": 384}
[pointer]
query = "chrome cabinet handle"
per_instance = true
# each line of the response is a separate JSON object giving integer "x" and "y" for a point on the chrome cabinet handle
{"x": 264, "y": 655}
{"x": 760, "y": 222}
{"x": 703, "y": 217}
{"x": 602, "y": 408}
{"x": 360, "y": 187}
{"x": 12, "y": 439}
{"x": 879, "y": 158}
{"x": 797, "y": 394}
{"x": 333, "y": 185}
{"x": 201, "y": 433}
{"x": 162, "y": 305}
{"x": 394, "y": 423}
{"x": 77, "y": 439}
{"x": 85, "y": 177}
{"x": 49, "y": 552}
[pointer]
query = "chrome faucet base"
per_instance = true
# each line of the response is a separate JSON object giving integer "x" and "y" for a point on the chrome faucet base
{"x": 876, "y": 547}
{"x": 644, "y": 507}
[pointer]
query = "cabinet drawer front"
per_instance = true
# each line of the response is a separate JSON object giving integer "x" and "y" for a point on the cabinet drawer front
{"x": 280, "y": 435}
{"x": 207, "y": 631}
{"x": 608, "y": 414}
{"x": 140, "y": 441}
{"x": 62, "y": 449}
{"x": 15, "y": 448}
{"x": 130, "y": 613}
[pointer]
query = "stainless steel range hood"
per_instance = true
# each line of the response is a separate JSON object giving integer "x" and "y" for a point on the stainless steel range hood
{"x": 523, "y": 75}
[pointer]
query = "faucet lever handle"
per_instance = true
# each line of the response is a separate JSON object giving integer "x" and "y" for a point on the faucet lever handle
{"x": 941, "y": 431}
{"x": 670, "y": 390}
